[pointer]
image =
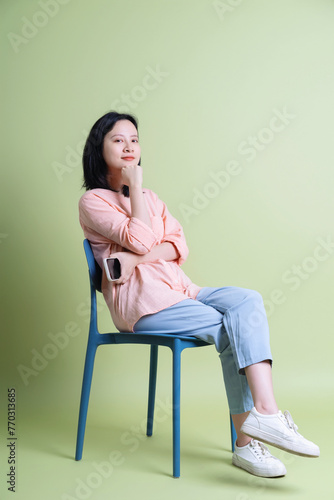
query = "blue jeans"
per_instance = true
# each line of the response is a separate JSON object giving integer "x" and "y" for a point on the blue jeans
{"x": 231, "y": 318}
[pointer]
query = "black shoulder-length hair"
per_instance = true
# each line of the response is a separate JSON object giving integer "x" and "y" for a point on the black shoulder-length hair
{"x": 94, "y": 167}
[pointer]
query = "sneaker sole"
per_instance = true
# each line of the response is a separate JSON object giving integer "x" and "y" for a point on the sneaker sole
{"x": 256, "y": 471}
{"x": 267, "y": 438}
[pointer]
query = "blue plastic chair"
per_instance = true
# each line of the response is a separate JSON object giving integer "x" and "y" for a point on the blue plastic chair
{"x": 175, "y": 342}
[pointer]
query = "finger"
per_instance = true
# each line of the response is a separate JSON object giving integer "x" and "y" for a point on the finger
{"x": 118, "y": 282}
{"x": 121, "y": 280}
{"x": 114, "y": 255}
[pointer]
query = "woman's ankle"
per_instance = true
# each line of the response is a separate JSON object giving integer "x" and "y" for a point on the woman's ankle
{"x": 266, "y": 409}
{"x": 243, "y": 441}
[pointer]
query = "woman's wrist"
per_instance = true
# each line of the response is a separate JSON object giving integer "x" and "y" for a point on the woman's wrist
{"x": 138, "y": 205}
{"x": 135, "y": 187}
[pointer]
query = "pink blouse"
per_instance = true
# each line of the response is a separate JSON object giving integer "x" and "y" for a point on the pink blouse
{"x": 105, "y": 217}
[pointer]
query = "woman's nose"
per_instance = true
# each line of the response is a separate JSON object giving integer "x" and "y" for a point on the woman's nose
{"x": 128, "y": 147}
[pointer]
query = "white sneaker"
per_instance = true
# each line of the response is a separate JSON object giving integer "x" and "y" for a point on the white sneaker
{"x": 278, "y": 430}
{"x": 256, "y": 459}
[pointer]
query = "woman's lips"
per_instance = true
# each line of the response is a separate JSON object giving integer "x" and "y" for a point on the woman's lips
{"x": 128, "y": 158}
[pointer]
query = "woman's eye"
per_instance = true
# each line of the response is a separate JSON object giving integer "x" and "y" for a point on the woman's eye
{"x": 134, "y": 140}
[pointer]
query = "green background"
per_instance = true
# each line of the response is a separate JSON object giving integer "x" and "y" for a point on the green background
{"x": 222, "y": 70}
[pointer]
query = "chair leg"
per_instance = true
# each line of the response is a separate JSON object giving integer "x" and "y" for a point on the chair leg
{"x": 85, "y": 392}
{"x": 233, "y": 434}
{"x": 176, "y": 407}
{"x": 151, "y": 388}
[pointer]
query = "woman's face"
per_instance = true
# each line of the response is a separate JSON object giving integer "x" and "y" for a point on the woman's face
{"x": 121, "y": 146}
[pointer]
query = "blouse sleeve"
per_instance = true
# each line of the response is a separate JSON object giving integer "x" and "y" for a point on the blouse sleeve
{"x": 107, "y": 220}
{"x": 174, "y": 234}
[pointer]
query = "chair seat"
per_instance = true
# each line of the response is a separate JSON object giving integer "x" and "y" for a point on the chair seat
{"x": 148, "y": 338}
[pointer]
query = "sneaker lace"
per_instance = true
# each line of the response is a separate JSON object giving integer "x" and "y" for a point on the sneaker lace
{"x": 290, "y": 421}
{"x": 260, "y": 448}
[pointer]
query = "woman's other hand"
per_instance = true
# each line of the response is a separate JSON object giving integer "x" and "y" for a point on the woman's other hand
{"x": 128, "y": 261}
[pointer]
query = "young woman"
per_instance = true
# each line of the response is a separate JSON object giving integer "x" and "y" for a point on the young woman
{"x": 124, "y": 220}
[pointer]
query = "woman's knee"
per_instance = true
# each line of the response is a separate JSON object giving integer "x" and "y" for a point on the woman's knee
{"x": 251, "y": 306}
{"x": 255, "y": 295}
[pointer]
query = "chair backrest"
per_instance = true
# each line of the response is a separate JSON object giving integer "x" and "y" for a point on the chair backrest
{"x": 95, "y": 272}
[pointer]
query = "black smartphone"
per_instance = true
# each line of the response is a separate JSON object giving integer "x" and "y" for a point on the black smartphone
{"x": 112, "y": 268}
